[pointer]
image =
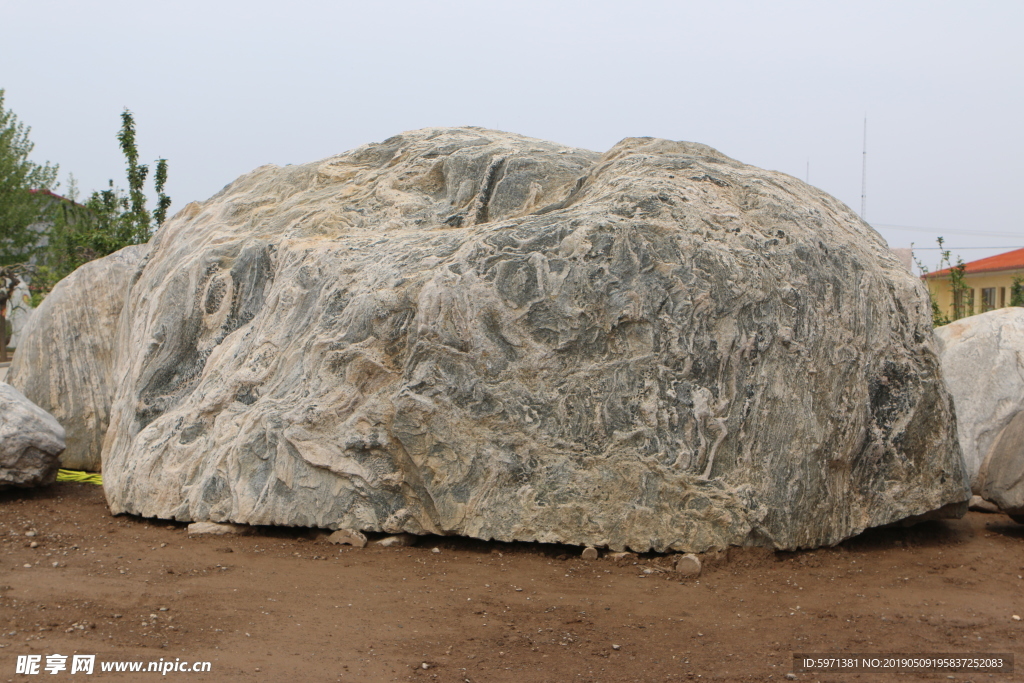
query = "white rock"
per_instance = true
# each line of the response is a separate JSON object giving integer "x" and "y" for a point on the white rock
{"x": 67, "y": 361}
{"x": 982, "y": 360}
{"x": 217, "y": 529}
{"x": 589, "y": 554}
{"x": 397, "y": 541}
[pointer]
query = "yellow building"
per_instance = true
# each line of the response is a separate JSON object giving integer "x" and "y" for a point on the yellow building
{"x": 989, "y": 284}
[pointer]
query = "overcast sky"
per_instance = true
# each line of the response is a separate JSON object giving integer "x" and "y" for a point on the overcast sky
{"x": 219, "y": 88}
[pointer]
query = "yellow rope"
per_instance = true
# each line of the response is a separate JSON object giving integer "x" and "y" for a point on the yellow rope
{"x": 79, "y": 476}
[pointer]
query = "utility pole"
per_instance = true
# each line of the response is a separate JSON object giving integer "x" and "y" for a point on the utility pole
{"x": 864, "y": 175}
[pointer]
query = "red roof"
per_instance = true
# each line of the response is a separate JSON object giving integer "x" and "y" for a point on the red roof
{"x": 1011, "y": 260}
{"x": 52, "y": 194}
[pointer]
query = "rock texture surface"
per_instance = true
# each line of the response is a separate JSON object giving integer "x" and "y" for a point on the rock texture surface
{"x": 1001, "y": 477}
{"x": 982, "y": 360}
{"x": 31, "y": 441}
{"x": 66, "y": 355}
{"x": 462, "y": 331}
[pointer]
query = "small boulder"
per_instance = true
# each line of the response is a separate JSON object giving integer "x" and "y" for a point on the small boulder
{"x": 347, "y": 537}
{"x": 979, "y": 504}
{"x": 688, "y": 566}
{"x": 31, "y": 441}
{"x": 1001, "y": 477}
{"x": 589, "y": 554}
{"x": 217, "y": 529}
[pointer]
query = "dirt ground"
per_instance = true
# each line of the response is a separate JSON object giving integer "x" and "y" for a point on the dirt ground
{"x": 281, "y": 605}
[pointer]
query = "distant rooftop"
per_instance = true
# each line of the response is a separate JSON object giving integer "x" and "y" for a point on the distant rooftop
{"x": 1011, "y": 260}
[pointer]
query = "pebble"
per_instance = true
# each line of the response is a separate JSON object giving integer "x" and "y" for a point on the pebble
{"x": 33, "y": 544}
{"x": 616, "y": 647}
{"x": 30, "y": 534}
{"x": 435, "y": 550}
{"x": 215, "y": 529}
{"x": 348, "y": 537}
{"x": 397, "y": 541}
{"x": 1016, "y": 617}
{"x": 790, "y": 677}
{"x": 589, "y": 554}
{"x": 425, "y": 665}
{"x": 618, "y": 557}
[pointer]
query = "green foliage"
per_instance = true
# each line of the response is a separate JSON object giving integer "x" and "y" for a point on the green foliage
{"x": 20, "y": 209}
{"x": 109, "y": 220}
{"x": 938, "y": 319}
{"x": 1017, "y": 291}
{"x": 962, "y": 306}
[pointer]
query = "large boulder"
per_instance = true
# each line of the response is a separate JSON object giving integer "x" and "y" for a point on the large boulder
{"x": 31, "y": 441}
{"x": 66, "y": 356}
{"x": 462, "y": 331}
{"x": 982, "y": 360}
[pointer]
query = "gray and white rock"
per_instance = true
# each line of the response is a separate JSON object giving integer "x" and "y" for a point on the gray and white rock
{"x": 66, "y": 355}
{"x": 461, "y": 331}
{"x": 982, "y": 360}
{"x": 1001, "y": 477}
{"x": 31, "y": 441}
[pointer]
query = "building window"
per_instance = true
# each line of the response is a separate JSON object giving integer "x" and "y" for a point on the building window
{"x": 988, "y": 299}
{"x": 963, "y": 303}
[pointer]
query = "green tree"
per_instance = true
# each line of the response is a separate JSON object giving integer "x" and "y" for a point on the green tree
{"x": 23, "y": 200}
{"x": 1017, "y": 291}
{"x": 963, "y": 306}
{"x": 109, "y": 220}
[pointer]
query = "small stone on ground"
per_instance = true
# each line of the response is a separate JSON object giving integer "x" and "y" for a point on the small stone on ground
{"x": 217, "y": 529}
{"x": 979, "y": 504}
{"x": 397, "y": 541}
{"x": 688, "y": 565}
{"x": 348, "y": 537}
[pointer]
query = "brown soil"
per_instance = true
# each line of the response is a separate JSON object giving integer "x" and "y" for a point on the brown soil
{"x": 283, "y": 606}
